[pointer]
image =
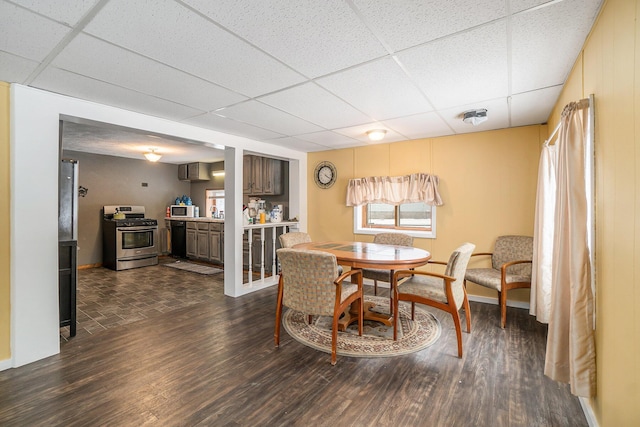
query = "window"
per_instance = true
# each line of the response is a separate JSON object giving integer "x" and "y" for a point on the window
{"x": 416, "y": 219}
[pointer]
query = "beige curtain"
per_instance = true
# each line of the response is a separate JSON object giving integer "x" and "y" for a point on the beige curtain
{"x": 570, "y": 356}
{"x": 543, "y": 229}
{"x": 394, "y": 190}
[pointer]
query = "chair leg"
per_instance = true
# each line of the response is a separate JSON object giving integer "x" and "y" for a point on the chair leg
{"x": 395, "y": 320}
{"x": 375, "y": 287}
{"x": 310, "y": 319}
{"x": 503, "y": 308}
{"x": 276, "y": 335}
{"x": 467, "y": 312}
{"x": 334, "y": 338}
{"x": 456, "y": 322}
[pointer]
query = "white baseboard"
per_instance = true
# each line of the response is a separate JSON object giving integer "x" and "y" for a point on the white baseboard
{"x": 5, "y": 364}
{"x": 476, "y": 298}
{"x": 588, "y": 412}
{"x": 494, "y": 301}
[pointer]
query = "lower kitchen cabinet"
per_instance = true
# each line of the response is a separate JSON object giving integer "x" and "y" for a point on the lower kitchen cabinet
{"x": 205, "y": 241}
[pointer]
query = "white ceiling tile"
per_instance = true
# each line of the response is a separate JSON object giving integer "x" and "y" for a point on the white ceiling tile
{"x": 26, "y": 34}
{"x": 419, "y": 21}
{"x": 520, "y": 5}
{"x": 533, "y": 107}
{"x": 316, "y": 105}
{"x": 175, "y": 35}
{"x": 60, "y": 81}
{"x": 233, "y": 127}
{"x": 94, "y": 58}
{"x": 15, "y": 69}
{"x": 380, "y": 89}
{"x": 63, "y": 11}
{"x": 546, "y": 42}
{"x": 497, "y": 113}
{"x": 425, "y": 125}
{"x": 297, "y": 144}
{"x": 314, "y": 37}
{"x": 462, "y": 68}
{"x": 267, "y": 117}
{"x": 330, "y": 139}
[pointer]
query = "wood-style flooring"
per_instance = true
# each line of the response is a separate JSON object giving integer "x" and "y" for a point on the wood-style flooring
{"x": 212, "y": 362}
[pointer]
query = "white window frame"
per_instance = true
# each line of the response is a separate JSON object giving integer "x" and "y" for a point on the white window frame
{"x": 359, "y": 229}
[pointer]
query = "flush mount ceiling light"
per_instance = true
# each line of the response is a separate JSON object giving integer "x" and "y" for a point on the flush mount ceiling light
{"x": 152, "y": 156}
{"x": 475, "y": 117}
{"x": 376, "y": 134}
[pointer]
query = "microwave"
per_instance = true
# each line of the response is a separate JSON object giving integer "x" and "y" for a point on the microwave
{"x": 183, "y": 211}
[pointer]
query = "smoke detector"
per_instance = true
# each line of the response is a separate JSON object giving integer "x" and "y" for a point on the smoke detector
{"x": 475, "y": 117}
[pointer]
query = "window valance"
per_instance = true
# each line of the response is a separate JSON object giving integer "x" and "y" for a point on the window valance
{"x": 394, "y": 190}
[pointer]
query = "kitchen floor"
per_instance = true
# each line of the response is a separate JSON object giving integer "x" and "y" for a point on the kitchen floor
{"x": 107, "y": 298}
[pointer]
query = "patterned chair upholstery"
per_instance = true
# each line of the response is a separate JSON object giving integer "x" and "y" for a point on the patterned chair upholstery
{"x": 510, "y": 269}
{"x": 292, "y": 238}
{"x": 309, "y": 283}
{"x": 444, "y": 291}
{"x": 385, "y": 275}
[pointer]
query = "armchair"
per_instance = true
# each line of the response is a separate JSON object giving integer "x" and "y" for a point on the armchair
{"x": 310, "y": 283}
{"x": 443, "y": 291}
{"x": 510, "y": 269}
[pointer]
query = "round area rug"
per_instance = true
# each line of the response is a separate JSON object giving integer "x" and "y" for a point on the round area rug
{"x": 376, "y": 340}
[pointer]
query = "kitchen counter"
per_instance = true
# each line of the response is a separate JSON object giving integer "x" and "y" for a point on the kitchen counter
{"x": 199, "y": 219}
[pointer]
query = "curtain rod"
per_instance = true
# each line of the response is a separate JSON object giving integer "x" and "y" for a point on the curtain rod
{"x": 546, "y": 143}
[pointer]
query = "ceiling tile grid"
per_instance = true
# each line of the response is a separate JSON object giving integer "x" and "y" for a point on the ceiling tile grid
{"x": 307, "y": 73}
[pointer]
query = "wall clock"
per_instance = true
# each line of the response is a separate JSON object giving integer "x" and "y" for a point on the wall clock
{"x": 325, "y": 174}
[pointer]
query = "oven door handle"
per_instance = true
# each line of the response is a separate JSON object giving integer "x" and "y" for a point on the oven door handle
{"x": 141, "y": 228}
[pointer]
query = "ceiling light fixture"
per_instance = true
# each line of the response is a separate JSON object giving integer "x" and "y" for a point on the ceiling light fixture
{"x": 152, "y": 156}
{"x": 376, "y": 134}
{"x": 475, "y": 117}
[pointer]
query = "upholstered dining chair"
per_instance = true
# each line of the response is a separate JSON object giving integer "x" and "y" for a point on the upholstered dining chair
{"x": 510, "y": 269}
{"x": 376, "y": 275}
{"x": 444, "y": 291}
{"x": 309, "y": 283}
{"x": 292, "y": 238}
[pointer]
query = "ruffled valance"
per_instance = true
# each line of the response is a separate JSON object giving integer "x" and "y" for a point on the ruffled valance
{"x": 394, "y": 190}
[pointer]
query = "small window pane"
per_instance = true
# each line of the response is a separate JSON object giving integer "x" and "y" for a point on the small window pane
{"x": 380, "y": 214}
{"x": 415, "y": 215}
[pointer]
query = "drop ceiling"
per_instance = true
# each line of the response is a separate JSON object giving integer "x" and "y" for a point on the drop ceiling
{"x": 308, "y": 75}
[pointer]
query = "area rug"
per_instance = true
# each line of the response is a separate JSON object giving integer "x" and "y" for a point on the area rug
{"x": 195, "y": 268}
{"x": 376, "y": 339}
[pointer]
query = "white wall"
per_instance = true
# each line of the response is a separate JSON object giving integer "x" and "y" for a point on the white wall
{"x": 35, "y": 116}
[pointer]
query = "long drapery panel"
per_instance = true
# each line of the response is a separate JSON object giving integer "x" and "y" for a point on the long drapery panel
{"x": 570, "y": 355}
{"x": 394, "y": 190}
{"x": 540, "y": 301}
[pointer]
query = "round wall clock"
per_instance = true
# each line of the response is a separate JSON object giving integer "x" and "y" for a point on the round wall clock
{"x": 325, "y": 174}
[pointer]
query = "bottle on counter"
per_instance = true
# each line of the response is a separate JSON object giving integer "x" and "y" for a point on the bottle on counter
{"x": 196, "y": 211}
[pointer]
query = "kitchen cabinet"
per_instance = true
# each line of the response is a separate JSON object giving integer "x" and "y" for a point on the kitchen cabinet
{"x": 205, "y": 241}
{"x": 261, "y": 176}
{"x": 216, "y": 243}
{"x": 202, "y": 241}
{"x": 192, "y": 240}
{"x": 193, "y": 172}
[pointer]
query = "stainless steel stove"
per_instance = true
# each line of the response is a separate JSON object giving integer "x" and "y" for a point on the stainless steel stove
{"x": 128, "y": 242}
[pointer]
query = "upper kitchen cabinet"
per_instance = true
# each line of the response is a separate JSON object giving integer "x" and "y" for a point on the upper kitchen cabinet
{"x": 262, "y": 176}
{"x": 193, "y": 172}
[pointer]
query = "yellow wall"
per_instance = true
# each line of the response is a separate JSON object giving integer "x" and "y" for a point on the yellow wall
{"x": 608, "y": 69}
{"x": 487, "y": 183}
{"x": 5, "y": 306}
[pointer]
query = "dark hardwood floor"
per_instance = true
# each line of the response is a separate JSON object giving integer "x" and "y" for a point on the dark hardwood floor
{"x": 213, "y": 363}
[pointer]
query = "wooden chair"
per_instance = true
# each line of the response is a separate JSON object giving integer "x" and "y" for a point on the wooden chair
{"x": 510, "y": 269}
{"x": 444, "y": 291}
{"x": 310, "y": 283}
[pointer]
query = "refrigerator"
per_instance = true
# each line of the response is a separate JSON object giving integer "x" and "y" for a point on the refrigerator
{"x": 68, "y": 242}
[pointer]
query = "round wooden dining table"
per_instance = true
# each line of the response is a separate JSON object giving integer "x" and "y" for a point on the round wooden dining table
{"x": 371, "y": 255}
